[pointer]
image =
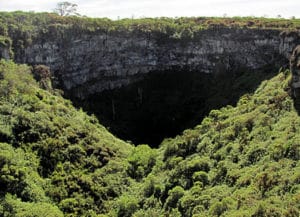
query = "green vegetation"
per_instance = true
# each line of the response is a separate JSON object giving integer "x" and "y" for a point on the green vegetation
{"x": 169, "y": 102}
{"x": 241, "y": 161}
{"x": 54, "y": 159}
{"x": 24, "y": 27}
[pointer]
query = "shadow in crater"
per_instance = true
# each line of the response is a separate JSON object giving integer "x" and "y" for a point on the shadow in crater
{"x": 165, "y": 103}
{"x": 295, "y": 82}
{"x": 296, "y": 98}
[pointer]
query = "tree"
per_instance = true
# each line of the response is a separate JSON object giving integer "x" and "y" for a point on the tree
{"x": 66, "y": 9}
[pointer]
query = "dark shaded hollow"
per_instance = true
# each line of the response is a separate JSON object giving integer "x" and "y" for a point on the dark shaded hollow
{"x": 295, "y": 95}
{"x": 295, "y": 69}
{"x": 164, "y": 103}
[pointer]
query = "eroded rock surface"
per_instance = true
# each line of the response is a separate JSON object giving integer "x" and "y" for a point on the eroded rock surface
{"x": 295, "y": 69}
{"x": 90, "y": 63}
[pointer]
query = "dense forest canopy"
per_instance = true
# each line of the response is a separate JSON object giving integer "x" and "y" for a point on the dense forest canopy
{"x": 241, "y": 161}
{"x": 55, "y": 160}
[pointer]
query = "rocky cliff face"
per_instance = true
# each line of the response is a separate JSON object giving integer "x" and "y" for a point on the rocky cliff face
{"x": 91, "y": 63}
{"x": 295, "y": 69}
{"x": 5, "y": 48}
{"x": 4, "y": 53}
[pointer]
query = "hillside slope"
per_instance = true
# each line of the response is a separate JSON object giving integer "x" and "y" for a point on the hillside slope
{"x": 54, "y": 159}
{"x": 241, "y": 161}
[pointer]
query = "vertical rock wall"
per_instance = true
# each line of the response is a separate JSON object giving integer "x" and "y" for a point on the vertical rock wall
{"x": 90, "y": 63}
{"x": 295, "y": 69}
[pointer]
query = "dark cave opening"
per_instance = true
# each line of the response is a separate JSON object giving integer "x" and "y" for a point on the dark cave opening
{"x": 164, "y": 103}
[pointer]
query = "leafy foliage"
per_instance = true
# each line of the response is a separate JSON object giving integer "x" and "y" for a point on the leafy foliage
{"x": 25, "y": 27}
{"x": 56, "y": 160}
{"x": 52, "y": 153}
{"x": 242, "y": 161}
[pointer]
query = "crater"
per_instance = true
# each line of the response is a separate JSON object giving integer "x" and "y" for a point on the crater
{"x": 164, "y": 103}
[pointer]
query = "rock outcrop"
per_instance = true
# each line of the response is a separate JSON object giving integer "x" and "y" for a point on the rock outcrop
{"x": 295, "y": 69}
{"x": 90, "y": 63}
{"x": 5, "y": 48}
{"x": 4, "y": 53}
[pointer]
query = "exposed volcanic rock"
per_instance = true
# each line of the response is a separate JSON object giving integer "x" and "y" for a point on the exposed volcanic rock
{"x": 295, "y": 69}
{"x": 146, "y": 84}
{"x": 90, "y": 63}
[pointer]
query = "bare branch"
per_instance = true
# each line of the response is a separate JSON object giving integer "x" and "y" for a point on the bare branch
{"x": 66, "y": 9}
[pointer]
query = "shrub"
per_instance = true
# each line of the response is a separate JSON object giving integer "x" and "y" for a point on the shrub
{"x": 202, "y": 177}
{"x": 141, "y": 161}
{"x": 127, "y": 205}
{"x": 174, "y": 195}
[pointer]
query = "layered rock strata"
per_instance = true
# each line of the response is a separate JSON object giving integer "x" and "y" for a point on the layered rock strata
{"x": 90, "y": 63}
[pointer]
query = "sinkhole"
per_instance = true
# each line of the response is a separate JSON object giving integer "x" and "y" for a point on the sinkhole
{"x": 164, "y": 103}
